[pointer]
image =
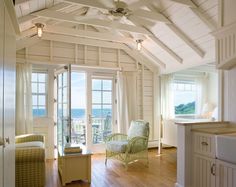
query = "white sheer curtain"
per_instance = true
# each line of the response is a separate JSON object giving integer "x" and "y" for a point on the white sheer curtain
{"x": 167, "y": 97}
{"x": 24, "y": 117}
{"x": 201, "y": 87}
{"x": 126, "y": 100}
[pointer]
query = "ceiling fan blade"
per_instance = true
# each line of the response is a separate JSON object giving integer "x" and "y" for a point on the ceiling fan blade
{"x": 140, "y": 20}
{"x": 137, "y": 5}
{"x": 80, "y": 18}
{"x": 108, "y": 3}
{"x": 150, "y": 15}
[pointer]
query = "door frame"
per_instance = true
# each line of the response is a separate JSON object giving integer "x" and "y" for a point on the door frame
{"x": 90, "y": 73}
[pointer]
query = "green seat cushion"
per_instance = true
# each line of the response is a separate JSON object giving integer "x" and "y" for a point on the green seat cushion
{"x": 117, "y": 146}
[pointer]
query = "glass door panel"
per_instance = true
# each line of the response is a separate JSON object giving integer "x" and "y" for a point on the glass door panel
{"x": 78, "y": 107}
{"x": 101, "y": 109}
{"x": 62, "y": 109}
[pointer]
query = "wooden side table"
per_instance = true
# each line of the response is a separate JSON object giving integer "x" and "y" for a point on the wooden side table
{"x": 76, "y": 166}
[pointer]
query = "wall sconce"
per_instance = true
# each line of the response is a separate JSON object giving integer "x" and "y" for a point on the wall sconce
{"x": 39, "y": 29}
{"x": 139, "y": 44}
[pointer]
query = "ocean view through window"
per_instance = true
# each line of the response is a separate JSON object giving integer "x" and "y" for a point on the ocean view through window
{"x": 184, "y": 97}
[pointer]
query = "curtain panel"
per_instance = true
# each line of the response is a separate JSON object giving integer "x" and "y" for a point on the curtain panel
{"x": 167, "y": 97}
{"x": 24, "y": 116}
{"x": 126, "y": 100}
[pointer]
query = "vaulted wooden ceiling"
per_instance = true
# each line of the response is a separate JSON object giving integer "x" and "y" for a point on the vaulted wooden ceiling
{"x": 176, "y": 34}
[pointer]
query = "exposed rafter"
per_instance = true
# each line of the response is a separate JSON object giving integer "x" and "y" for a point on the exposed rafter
{"x": 94, "y": 22}
{"x": 30, "y": 17}
{"x": 91, "y": 4}
{"x": 195, "y": 10}
{"x": 138, "y": 12}
{"x": 181, "y": 35}
{"x": 188, "y": 3}
{"x": 87, "y": 34}
{"x": 166, "y": 49}
{"x": 26, "y": 42}
{"x": 150, "y": 55}
{"x": 159, "y": 42}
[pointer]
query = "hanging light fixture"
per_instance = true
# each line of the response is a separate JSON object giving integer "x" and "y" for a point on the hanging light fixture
{"x": 139, "y": 44}
{"x": 39, "y": 29}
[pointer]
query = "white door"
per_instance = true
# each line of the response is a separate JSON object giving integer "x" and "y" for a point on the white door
{"x": 1, "y": 88}
{"x": 101, "y": 110}
{"x": 9, "y": 102}
{"x": 85, "y": 107}
{"x": 63, "y": 106}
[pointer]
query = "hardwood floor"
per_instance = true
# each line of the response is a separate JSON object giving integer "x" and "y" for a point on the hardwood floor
{"x": 160, "y": 173}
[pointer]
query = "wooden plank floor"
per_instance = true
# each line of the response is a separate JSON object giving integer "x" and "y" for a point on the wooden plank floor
{"x": 160, "y": 173}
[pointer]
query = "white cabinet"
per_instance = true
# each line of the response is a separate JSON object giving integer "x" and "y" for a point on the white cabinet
{"x": 225, "y": 174}
{"x": 204, "y": 144}
{"x": 208, "y": 171}
{"x": 204, "y": 171}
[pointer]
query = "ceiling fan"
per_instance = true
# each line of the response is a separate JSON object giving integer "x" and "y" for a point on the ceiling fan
{"x": 120, "y": 9}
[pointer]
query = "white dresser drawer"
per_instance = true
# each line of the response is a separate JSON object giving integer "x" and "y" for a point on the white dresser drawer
{"x": 204, "y": 144}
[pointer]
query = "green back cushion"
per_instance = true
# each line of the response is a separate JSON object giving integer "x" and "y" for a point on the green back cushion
{"x": 138, "y": 128}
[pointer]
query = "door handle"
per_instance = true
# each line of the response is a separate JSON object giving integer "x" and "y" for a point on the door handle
{"x": 7, "y": 140}
{"x": 213, "y": 169}
{"x": 2, "y": 143}
{"x": 90, "y": 118}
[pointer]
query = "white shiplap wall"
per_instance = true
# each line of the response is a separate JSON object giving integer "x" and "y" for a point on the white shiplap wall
{"x": 51, "y": 52}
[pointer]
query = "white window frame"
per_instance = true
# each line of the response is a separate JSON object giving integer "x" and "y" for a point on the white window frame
{"x": 41, "y": 94}
{"x": 185, "y": 81}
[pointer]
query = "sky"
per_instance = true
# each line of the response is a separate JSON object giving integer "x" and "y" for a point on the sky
{"x": 184, "y": 97}
{"x": 78, "y": 90}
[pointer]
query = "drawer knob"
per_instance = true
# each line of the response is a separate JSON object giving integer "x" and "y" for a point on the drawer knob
{"x": 204, "y": 143}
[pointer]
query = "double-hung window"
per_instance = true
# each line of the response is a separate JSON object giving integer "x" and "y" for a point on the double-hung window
{"x": 185, "y": 97}
{"x": 39, "y": 93}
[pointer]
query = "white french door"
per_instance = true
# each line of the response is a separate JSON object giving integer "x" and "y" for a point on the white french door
{"x": 101, "y": 117}
{"x": 87, "y": 111}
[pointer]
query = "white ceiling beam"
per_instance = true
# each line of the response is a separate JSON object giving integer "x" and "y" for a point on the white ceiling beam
{"x": 181, "y": 35}
{"x": 186, "y": 40}
{"x": 26, "y": 18}
{"x": 107, "y": 36}
{"x": 27, "y": 33}
{"x": 140, "y": 12}
{"x": 92, "y": 42}
{"x": 94, "y": 22}
{"x": 26, "y": 42}
{"x": 159, "y": 42}
{"x": 188, "y": 3}
{"x": 91, "y": 4}
{"x": 150, "y": 55}
{"x": 195, "y": 10}
{"x": 20, "y": 1}
{"x": 30, "y": 17}
{"x": 166, "y": 49}
{"x": 203, "y": 18}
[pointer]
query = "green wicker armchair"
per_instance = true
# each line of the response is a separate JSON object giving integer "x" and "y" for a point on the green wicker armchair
{"x": 30, "y": 161}
{"x": 131, "y": 147}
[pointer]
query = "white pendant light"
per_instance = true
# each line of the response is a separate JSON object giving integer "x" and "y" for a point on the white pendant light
{"x": 39, "y": 29}
{"x": 139, "y": 44}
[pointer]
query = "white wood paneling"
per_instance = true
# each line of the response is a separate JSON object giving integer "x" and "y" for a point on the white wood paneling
{"x": 226, "y": 46}
{"x": 109, "y": 57}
